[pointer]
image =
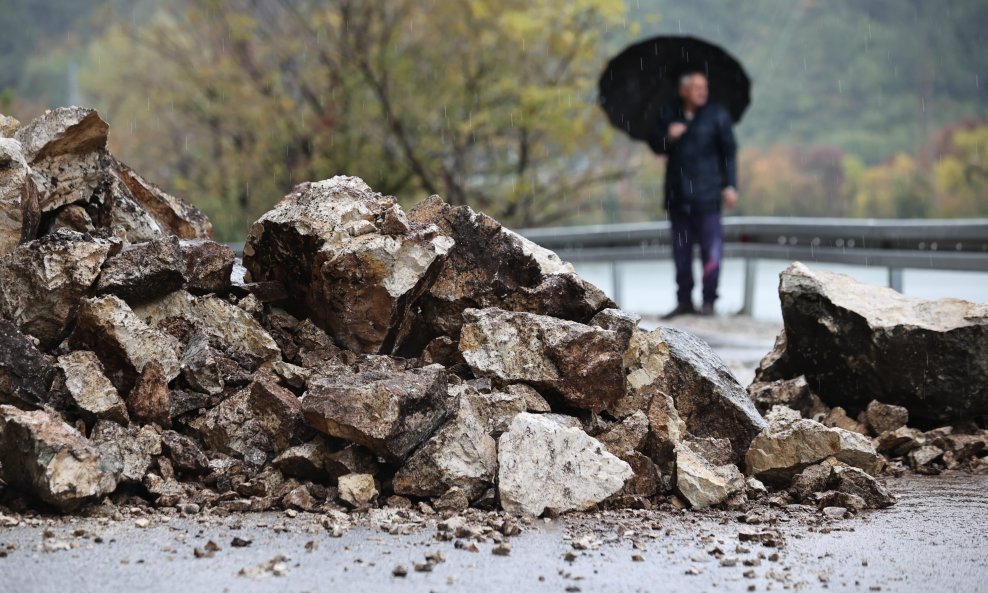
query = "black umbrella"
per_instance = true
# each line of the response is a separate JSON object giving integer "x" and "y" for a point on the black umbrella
{"x": 644, "y": 77}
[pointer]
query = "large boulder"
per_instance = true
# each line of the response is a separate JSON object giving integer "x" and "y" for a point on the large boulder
{"x": 43, "y": 456}
{"x": 708, "y": 399}
{"x": 390, "y": 413}
{"x": 856, "y": 342}
{"x": 491, "y": 266}
{"x": 42, "y": 281}
{"x": 20, "y": 212}
{"x": 353, "y": 262}
{"x": 580, "y": 363}
{"x": 546, "y": 463}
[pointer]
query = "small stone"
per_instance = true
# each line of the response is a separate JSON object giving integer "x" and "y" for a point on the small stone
{"x": 502, "y": 549}
{"x": 357, "y": 490}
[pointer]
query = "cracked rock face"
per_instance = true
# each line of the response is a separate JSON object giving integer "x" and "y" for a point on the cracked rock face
{"x": 703, "y": 482}
{"x": 572, "y": 470}
{"x": 580, "y": 363}
{"x": 787, "y": 445}
{"x": 354, "y": 268}
{"x": 144, "y": 271}
{"x": 20, "y": 212}
{"x": 91, "y": 392}
{"x": 129, "y": 450}
{"x": 389, "y": 413}
{"x": 42, "y": 281}
{"x": 47, "y": 457}
{"x": 856, "y": 342}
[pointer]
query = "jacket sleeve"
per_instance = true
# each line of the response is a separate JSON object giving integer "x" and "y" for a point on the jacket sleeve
{"x": 728, "y": 150}
{"x": 658, "y": 140}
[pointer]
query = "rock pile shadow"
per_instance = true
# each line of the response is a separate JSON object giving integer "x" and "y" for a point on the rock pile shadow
{"x": 362, "y": 355}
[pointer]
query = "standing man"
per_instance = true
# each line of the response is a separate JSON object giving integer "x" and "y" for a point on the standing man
{"x": 701, "y": 177}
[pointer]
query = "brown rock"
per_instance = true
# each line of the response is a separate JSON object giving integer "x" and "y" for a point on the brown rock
{"x": 45, "y": 457}
{"x": 792, "y": 393}
{"x": 92, "y": 393}
{"x": 179, "y": 218}
{"x": 8, "y": 126}
{"x": 626, "y": 436}
{"x": 389, "y": 413}
{"x": 580, "y": 363}
{"x": 185, "y": 453}
{"x": 884, "y": 417}
{"x": 129, "y": 450}
{"x": 20, "y": 211}
{"x": 323, "y": 242}
{"x": 208, "y": 266}
{"x": 358, "y": 490}
{"x": 144, "y": 271}
{"x": 838, "y": 418}
{"x": 149, "y": 401}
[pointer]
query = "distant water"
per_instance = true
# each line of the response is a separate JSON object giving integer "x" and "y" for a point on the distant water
{"x": 650, "y": 287}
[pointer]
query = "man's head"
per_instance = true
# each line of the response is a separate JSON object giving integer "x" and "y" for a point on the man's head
{"x": 693, "y": 89}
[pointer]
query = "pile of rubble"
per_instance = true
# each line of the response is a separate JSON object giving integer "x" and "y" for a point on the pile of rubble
{"x": 363, "y": 355}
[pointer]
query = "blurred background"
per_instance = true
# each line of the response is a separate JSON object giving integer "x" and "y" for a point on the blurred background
{"x": 860, "y": 109}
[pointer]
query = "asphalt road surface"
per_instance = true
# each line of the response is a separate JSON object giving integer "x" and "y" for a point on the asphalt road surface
{"x": 934, "y": 539}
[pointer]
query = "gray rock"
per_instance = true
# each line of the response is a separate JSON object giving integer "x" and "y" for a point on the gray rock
{"x": 572, "y": 471}
{"x": 92, "y": 393}
{"x": 854, "y": 481}
{"x": 856, "y": 342}
{"x": 20, "y": 211}
{"x": 884, "y": 417}
{"x": 201, "y": 366}
{"x": 144, "y": 271}
{"x": 328, "y": 242}
{"x": 580, "y": 363}
{"x": 8, "y": 126}
{"x": 26, "y": 373}
{"x": 186, "y": 455}
{"x": 45, "y": 457}
{"x": 389, "y": 413}
{"x": 792, "y": 393}
{"x": 42, "y": 281}
{"x": 702, "y": 482}
{"x": 131, "y": 451}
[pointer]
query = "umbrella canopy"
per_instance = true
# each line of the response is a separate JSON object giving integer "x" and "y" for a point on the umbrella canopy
{"x": 644, "y": 77}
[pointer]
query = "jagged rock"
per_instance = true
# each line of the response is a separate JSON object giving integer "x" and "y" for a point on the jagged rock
{"x": 837, "y": 418}
{"x": 389, "y": 413}
{"x": 707, "y": 397}
{"x": 666, "y": 428}
{"x": 307, "y": 461}
{"x": 185, "y": 454}
{"x": 294, "y": 375}
{"x": 208, "y": 266}
{"x": 299, "y": 498}
{"x": 149, "y": 400}
{"x": 144, "y": 271}
{"x": 352, "y": 459}
{"x": 496, "y": 409}
{"x": 8, "y": 126}
{"x": 20, "y": 211}
{"x": 924, "y": 455}
{"x": 123, "y": 342}
{"x": 357, "y": 490}
{"x": 786, "y": 446}
{"x": 42, "y": 281}
{"x": 325, "y": 243}
{"x": 899, "y": 441}
{"x": 130, "y": 451}
{"x": 854, "y": 481}
{"x": 220, "y": 321}
{"x": 714, "y": 451}
{"x": 200, "y": 364}
{"x": 617, "y": 320}
{"x": 855, "y": 343}
{"x": 884, "y": 417}
{"x": 627, "y": 435}
{"x": 175, "y": 216}
{"x": 459, "y": 455}
{"x": 702, "y": 482}
{"x": 792, "y": 393}
{"x": 92, "y": 393}
{"x": 814, "y": 478}
{"x": 26, "y": 373}
{"x": 580, "y": 363}
{"x": 647, "y": 479}
{"x": 573, "y": 471}
{"x": 46, "y": 457}
{"x": 491, "y": 266}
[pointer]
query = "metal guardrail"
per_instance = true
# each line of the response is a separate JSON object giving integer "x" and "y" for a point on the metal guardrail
{"x": 894, "y": 244}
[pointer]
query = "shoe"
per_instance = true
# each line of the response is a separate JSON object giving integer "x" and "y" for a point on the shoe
{"x": 707, "y": 310}
{"x": 681, "y": 309}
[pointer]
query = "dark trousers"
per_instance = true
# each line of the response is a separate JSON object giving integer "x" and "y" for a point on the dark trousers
{"x": 687, "y": 230}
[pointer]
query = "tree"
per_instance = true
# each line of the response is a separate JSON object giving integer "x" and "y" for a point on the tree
{"x": 485, "y": 102}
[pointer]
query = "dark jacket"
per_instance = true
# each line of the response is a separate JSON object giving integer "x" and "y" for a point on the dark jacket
{"x": 702, "y": 162}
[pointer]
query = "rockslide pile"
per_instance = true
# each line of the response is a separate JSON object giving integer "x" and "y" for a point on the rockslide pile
{"x": 360, "y": 355}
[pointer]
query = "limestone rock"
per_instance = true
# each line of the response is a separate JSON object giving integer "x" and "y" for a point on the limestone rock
{"x": 617, "y": 320}
{"x": 124, "y": 343}
{"x": 20, "y": 211}
{"x": 130, "y": 451}
{"x": 26, "y": 373}
{"x": 201, "y": 366}
{"x": 144, "y": 271}
{"x": 854, "y": 481}
{"x": 792, "y": 393}
{"x": 884, "y": 417}
{"x": 491, "y": 266}
{"x": 627, "y": 435}
{"x": 41, "y": 282}
{"x": 573, "y": 471}
{"x": 177, "y": 217}
{"x": 328, "y": 243}
{"x": 856, "y": 342}
{"x": 208, "y": 266}
{"x": 389, "y": 413}
{"x": 46, "y": 457}
{"x": 460, "y": 454}
{"x": 786, "y": 446}
{"x": 708, "y": 398}
{"x": 580, "y": 363}
{"x": 703, "y": 483}
{"x": 357, "y": 490}
{"x": 837, "y": 418}
{"x": 91, "y": 392}
{"x": 307, "y": 461}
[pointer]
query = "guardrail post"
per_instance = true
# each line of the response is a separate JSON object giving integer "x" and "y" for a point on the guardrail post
{"x": 895, "y": 279}
{"x": 616, "y": 282}
{"x": 748, "y": 307}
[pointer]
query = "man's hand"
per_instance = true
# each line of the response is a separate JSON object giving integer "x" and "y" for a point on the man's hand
{"x": 676, "y": 130}
{"x": 730, "y": 196}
